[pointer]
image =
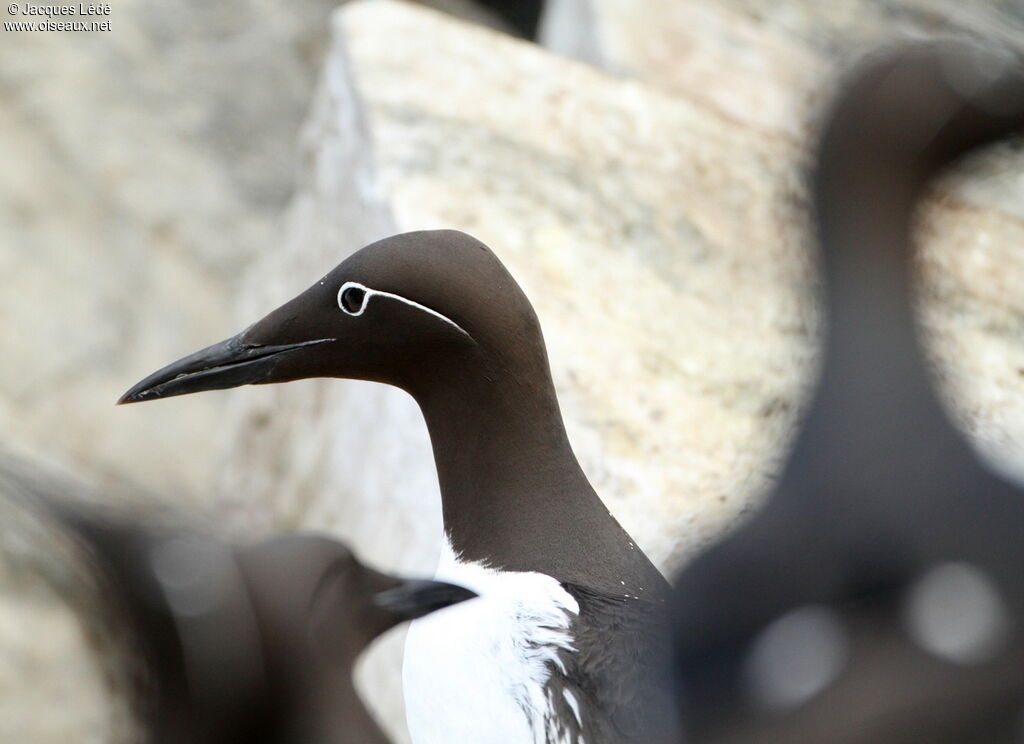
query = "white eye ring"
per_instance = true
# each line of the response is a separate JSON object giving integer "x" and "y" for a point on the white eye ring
{"x": 351, "y": 288}
{"x": 367, "y": 292}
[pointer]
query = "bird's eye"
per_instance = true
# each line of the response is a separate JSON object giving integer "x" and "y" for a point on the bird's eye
{"x": 351, "y": 299}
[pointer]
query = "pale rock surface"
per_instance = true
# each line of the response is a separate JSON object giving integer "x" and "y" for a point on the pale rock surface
{"x": 662, "y": 266}
{"x": 620, "y": 211}
{"x": 64, "y": 668}
{"x": 659, "y": 235}
{"x": 50, "y": 690}
{"x": 661, "y": 239}
{"x": 142, "y": 169}
{"x": 770, "y": 67}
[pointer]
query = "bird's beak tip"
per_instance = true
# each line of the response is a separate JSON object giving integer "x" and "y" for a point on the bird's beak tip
{"x": 136, "y": 394}
{"x": 228, "y": 364}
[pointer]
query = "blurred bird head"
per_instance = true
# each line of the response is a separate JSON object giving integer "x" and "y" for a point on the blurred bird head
{"x": 253, "y": 643}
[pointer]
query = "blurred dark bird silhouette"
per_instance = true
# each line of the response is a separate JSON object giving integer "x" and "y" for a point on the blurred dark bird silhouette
{"x": 568, "y": 636}
{"x": 239, "y": 644}
{"x": 523, "y": 15}
{"x": 879, "y": 595}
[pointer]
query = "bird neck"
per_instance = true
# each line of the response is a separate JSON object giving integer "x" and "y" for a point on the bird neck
{"x": 513, "y": 494}
{"x": 339, "y": 716}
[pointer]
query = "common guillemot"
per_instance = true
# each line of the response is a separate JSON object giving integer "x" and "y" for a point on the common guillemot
{"x": 565, "y": 644}
{"x": 231, "y": 644}
{"x": 879, "y": 595}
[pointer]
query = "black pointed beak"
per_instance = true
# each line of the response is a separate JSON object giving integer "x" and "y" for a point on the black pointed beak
{"x": 225, "y": 365}
{"x": 416, "y": 598}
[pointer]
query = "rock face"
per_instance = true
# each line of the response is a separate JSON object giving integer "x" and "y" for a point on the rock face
{"x": 143, "y": 168}
{"x": 620, "y": 210}
{"x": 767, "y": 66}
{"x": 630, "y": 223}
{"x": 661, "y": 238}
{"x": 66, "y": 672}
{"x": 970, "y": 230}
{"x": 769, "y": 69}
{"x": 657, "y": 223}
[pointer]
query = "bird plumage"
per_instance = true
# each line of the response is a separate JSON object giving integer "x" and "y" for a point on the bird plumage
{"x": 235, "y": 643}
{"x": 438, "y": 315}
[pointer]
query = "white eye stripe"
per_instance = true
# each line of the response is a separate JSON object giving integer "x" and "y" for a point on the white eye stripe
{"x": 369, "y": 292}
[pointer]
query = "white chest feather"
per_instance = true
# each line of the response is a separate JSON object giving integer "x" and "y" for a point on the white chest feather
{"x": 476, "y": 672}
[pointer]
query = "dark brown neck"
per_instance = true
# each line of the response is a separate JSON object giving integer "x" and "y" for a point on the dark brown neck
{"x": 338, "y": 716}
{"x": 513, "y": 493}
{"x": 897, "y": 126}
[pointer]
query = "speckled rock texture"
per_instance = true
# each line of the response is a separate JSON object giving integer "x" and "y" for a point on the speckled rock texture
{"x": 663, "y": 267}
{"x": 65, "y": 670}
{"x": 769, "y": 67}
{"x": 655, "y": 216}
{"x": 662, "y": 240}
{"x": 618, "y": 209}
{"x": 142, "y": 169}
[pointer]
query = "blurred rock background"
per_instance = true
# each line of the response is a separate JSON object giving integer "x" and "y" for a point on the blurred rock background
{"x": 169, "y": 181}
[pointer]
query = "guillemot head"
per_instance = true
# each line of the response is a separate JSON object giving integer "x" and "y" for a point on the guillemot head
{"x": 244, "y": 643}
{"x": 408, "y": 311}
{"x": 316, "y": 585}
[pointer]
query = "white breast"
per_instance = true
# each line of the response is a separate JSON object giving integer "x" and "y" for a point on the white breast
{"x": 476, "y": 672}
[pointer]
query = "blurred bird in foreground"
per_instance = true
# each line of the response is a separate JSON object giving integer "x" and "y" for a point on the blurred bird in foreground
{"x": 879, "y": 596}
{"x": 238, "y": 644}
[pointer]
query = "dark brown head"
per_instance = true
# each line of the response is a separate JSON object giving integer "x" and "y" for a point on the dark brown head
{"x": 318, "y": 608}
{"x": 318, "y": 601}
{"x": 415, "y": 310}
{"x": 250, "y": 644}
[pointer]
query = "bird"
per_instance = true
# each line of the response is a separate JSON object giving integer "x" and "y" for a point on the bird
{"x": 566, "y": 642}
{"x": 878, "y": 596}
{"x": 231, "y": 643}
